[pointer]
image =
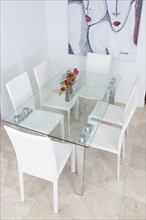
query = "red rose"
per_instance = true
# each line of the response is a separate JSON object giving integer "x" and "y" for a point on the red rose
{"x": 70, "y": 76}
{"x": 76, "y": 71}
{"x": 62, "y": 89}
{"x": 67, "y": 83}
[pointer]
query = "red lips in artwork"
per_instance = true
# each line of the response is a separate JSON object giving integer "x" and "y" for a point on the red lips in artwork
{"x": 116, "y": 23}
{"x": 88, "y": 19}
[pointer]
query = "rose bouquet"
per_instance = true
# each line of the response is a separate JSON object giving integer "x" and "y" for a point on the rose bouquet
{"x": 69, "y": 81}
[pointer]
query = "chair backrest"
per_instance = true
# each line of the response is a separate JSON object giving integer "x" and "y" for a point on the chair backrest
{"x": 19, "y": 89}
{"x": 132, "y": 99}
{"x": 42, "y": 74}
{"x": 129, "y": 111}
{"x": 35, "y": 154}
{"x": 131, "y": 107}
{"x": 98, "y": 63}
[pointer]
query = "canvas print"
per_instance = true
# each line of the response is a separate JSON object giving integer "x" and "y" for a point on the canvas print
{"x": 104, "y": 26}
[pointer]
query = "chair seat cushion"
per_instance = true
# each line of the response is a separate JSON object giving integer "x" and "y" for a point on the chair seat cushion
{"x": 59, "y": 102}
{"x": 113, "y": 113}
{"x": 37, "y": 121}
{"x": 106, "y": 138}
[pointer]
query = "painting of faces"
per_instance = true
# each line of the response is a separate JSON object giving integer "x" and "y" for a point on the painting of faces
{"x": 104, "y": 26}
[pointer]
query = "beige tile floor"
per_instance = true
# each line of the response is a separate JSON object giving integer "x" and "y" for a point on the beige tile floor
{"x": 104, "y": 197}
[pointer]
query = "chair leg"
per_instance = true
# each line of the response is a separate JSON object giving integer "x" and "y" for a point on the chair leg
{"x": 123, "y": 146}
{"x": 69, "y": 122}
{"x": 118, "y": 168}
{"x": 21, "y": 182}
{"x": 55, "y": 196}
{"x": 127, "y": 130}
{"x": 62, "y": 128}
{"x": 76, "y": 115}
{"x": 73, "y": 161}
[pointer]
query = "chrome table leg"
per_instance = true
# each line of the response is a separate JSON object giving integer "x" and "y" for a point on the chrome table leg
{"x": 80, "y": 166}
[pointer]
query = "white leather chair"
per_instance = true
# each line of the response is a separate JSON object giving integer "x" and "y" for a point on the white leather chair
{"x": 96, "y": 64}
{"x": 42, "y": 73}
{"x": 58, "y": 102}
{"x": 40, "y": 157}
{"x": 110, "y": 138}
{"x": 114, "y": 113}
{"x": 20, "y": 91}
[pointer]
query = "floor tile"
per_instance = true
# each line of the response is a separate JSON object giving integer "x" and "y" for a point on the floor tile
{"x": 5, "y": 141}
{"x": 12, "y": 207}
{"x": 140, "y": 134}
{"x": 100, "y": 204}
{"x": 135, "y": 185}
{"x": 68, "y": 200}
{"x": 104, "y": 175}
{"x": 132, "y": 209}
{"x": 128, "y": 150}
{"x": 8, "y": 167}
{"x": 138, "y": 158}
{"x": 89, "y": 164}
{"x": 42, "y": 212}
{"x": 30, "y": 190}
{"x": 141, "y": 114}
{"x": 91, "y": 153}
{"x": 29, "y": 183}
{"x": 131, "y": 128}
{"x": 2, "y": 187}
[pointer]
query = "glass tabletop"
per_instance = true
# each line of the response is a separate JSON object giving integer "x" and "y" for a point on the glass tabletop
{"x": 74, "y": 104}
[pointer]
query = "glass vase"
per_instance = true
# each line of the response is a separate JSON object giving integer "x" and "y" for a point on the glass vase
{"x": 68, "y": 93}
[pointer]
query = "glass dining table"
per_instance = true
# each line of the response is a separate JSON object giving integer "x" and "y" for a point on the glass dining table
{"x": 88, "y": 90}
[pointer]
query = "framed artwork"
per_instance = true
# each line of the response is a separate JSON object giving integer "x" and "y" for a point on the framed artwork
{"x": 104, "y": 26}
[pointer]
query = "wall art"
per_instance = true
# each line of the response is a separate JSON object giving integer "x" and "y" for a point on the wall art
{"x": 104, "y": 26}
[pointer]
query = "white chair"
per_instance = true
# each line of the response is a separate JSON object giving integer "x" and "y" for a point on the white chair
{"x": 54, "y": 101}
{"x": 96, "y": 65}
{"x": 110, "y": 138}
{"x": 42, "y": 73}
{"x": 20, "y": 91}
{"x": 40, "y": 157}
{"x": 114, "y": 114}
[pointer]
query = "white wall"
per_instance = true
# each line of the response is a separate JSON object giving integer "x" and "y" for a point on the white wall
{"x": 58, "y": 51}
{"x": 32, "y": 31}
{"x": 23, "y": 42}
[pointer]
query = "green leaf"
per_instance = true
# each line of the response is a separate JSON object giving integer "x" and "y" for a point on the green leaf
{"x": 62, "y": 83}
{"x": 60, "y": 92}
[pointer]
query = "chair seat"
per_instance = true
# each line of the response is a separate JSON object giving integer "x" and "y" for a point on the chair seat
{"x": 58, "y": 102}
{"x": 114, "y": 114}
{"x": 106, "y": 138}
{"x": 99, "y": 110}
{"x": 37, "y": 121}
{"x": 90, "y": 92}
